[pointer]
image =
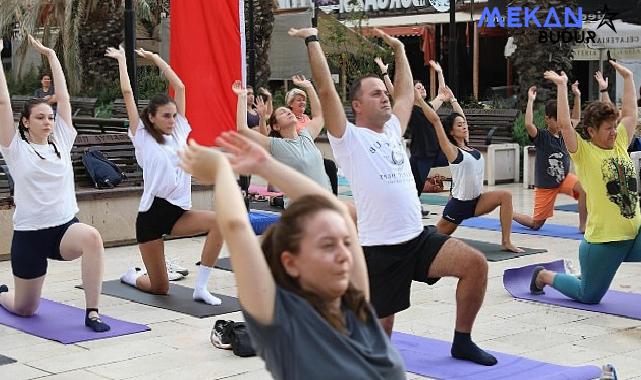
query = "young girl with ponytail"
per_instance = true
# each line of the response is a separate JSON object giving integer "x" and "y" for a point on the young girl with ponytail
{"x": 165, "y": 208}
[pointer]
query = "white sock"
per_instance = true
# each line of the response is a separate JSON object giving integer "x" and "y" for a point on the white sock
{"x": 200, "y": 291}
{"x": 131, "y": 276}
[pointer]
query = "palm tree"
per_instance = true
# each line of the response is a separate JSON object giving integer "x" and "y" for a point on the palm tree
{"x": 80, "y": 29}
{"x": 263, "y": 26}
{"x": 532, "y": 58}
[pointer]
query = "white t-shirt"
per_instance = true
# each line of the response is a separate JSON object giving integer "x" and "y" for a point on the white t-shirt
{"x": 379, "y": 172}
{"x": 45, "y": 195}
{"x": 467, "y": 176}
{"x": 162, "y": 175}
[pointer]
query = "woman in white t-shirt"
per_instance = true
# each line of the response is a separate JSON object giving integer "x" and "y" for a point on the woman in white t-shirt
{"x": 44, "y": 221}
{"x": 467, "y": 166}
{"x": 165, "y": 208}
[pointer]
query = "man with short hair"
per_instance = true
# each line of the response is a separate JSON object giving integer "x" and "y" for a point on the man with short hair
{"x": 47, "y": 91}
{"x": 398, "y": 249}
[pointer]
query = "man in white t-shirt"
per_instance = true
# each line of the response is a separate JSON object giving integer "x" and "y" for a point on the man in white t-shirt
{"x": 397, "y": 247}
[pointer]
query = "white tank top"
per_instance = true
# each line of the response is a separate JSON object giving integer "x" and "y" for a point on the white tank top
{"x": 467, "y": 175}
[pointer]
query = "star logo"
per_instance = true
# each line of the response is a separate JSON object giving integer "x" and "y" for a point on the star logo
{"x": 607, "y": 19}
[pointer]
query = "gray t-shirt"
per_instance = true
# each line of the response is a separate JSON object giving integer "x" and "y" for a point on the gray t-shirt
{"x": 40, "y": 94}
{"x": 300, "y": 344}
{"x": 302, "y": 155}
{"x": 552, "y": 161}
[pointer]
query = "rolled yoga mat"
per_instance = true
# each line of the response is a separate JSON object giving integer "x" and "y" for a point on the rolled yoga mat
{"x": 179, "y": 299}
{"x": 6, "y": 360}
{"x": 571, "y": 207}
{"x": 494, "y": 252}
{"x": 261, "y": 220}
{"x": 431, "y": 358}
{"x": 262, "y": 190}
{"x": 65, "y": 324}
{"x": 548, "y": 229}
{"x": 517, "y": 282}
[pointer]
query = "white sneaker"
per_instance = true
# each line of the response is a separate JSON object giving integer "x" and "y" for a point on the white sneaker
{"x": 174, "y": 276}
{"x": 131, "y": 276}
{"x": 173, "y": 266}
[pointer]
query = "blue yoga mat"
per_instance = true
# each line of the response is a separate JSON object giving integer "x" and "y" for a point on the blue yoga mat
{"x": 261, "y": 220}
{"x": 571, "y": 207}
{"x": 65, "y": 324}
{"x": 431, "y": 358}
{"x": 548, "y": 229}
{"x": 517, "y": 282}
{"x": 342, "y": 181}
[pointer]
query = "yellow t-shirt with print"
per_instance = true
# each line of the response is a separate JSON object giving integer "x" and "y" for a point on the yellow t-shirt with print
{"x": 608, "y": 178}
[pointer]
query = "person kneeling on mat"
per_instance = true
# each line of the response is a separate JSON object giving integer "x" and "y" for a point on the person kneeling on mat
{"x": 165, "y": 207}
{"x": 44, "y": 222}
{"x": 305, "y": 292}
{"x": 604, "y": 167}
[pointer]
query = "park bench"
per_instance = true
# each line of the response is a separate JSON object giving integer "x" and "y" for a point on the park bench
{"x": 119, "y": 110}
{"x": 79, "y": 106}
{"x": 86, "y": 125}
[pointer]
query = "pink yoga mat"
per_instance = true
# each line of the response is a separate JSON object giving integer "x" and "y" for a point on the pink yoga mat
{"x": 65, "y": 324}
{"x": 262, "y": 190}
{"x": 431, "y": 358}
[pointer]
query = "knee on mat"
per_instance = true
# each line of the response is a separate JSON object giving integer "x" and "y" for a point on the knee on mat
{"x": 591, "y": 298}
{"x": 26, "y": 311}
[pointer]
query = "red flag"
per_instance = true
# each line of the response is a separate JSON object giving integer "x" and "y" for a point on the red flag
{"x": 208, "y": 54}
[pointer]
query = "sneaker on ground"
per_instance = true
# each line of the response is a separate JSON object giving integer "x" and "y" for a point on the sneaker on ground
{"x": 174, "y": 276}
{"x": 173, "y": 266}
{"x": 220, "y": 334}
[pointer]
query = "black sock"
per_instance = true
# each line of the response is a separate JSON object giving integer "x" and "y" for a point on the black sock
{"x": 95, "y": 323}
{"x": 464, "y": 348}
{"x": 4, "y": 288}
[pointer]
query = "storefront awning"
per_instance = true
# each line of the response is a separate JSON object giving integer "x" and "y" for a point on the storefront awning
{"x": 432, "y": 18}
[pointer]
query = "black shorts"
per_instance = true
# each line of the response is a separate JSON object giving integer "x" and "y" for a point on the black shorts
{"x": 392, "y": 268}
{"x": 457, "y": 211}
{"x": 158, "y": 221}
{"x": 31, "y": 249}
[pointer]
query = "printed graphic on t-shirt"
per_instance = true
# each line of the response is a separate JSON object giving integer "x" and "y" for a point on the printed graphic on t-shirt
{"x": 392, "y": 152}
{"x": 621, "y": 185}
{"x": 555, "y": 167}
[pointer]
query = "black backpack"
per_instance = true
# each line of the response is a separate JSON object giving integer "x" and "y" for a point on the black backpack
{"x": 103, "y": 173}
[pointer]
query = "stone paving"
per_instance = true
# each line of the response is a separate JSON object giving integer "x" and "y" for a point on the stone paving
{"x": 178, "y": 346}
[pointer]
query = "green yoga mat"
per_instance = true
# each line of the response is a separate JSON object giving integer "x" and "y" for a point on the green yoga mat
{"x": 494, "y": 252}
{"x": 428, "y": 199}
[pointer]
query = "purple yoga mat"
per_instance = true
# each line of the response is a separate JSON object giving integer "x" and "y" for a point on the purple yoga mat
{"x": 517, "y": 282}
{"x": 431, "y": 358}
{"x": 65, "y": 324}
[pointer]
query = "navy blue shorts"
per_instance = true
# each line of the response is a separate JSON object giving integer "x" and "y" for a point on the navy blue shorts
{"x": 158, "y": 221}
{"x": 31, "y": 249}
{"x": 457, "y": 211}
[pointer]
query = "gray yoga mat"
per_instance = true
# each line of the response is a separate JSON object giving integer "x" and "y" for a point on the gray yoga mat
{"x": 179, "y": 299}
{"x": 494, "y": 252}
{"x": 224, "y": 264}
{"x": 6, "y": 360}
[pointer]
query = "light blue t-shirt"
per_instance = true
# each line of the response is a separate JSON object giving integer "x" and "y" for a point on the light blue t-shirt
{"x": 300, "y": 344}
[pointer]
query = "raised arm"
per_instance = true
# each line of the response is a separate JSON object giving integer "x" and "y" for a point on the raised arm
{"x": 629, "y": 111}
{"x": 172, "y": 77}
{"x": 385, "y": 73}
{"x": 447, "y": 147}
{"x": 241, "y": 117}
{"x": 530, "y": 127}
{"x": 447, "y": 95}
{"x": 256, "y": 287}
{"x": 7, "y": 129}
{"x": 563, "y": 109}
{"x": 335, "y": 120}
{"x": 62, "y": 93}
{"x": 248, "y": 158}
{"x": 604, "y": 96}
{"x": 403, "y": 86}
{"x": 439, "y": 73}
{"x": 261, "y": 108}
{"x": 125, "y": 87}
{"x": 269, "y": 102}
{"x": 575, "y": 115}
{"x": 316, "y": 124}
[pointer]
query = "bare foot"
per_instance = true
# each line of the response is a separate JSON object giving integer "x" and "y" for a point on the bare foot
{"x": 512, "y": 248}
